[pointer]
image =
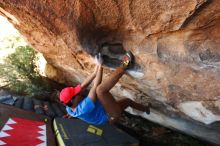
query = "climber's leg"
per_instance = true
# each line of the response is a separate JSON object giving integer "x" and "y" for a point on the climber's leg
{"x": 111, "y": 106}
{"x": 113, "y": 79}
{"x": 109, "y": 83}
{"x": 126, "y": 102}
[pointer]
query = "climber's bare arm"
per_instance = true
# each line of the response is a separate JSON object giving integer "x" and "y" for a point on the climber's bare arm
{"x": 88, "y": 80}
{"x": 84, "y": 85}
{"x": 97, "y": 81}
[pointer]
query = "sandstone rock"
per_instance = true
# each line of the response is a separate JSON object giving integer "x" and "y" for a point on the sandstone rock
{"x": 176, "y": 45}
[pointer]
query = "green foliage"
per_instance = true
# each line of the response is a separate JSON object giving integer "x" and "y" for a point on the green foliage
{"x": 22, "y": 61}
{"x": 20, "y": 74}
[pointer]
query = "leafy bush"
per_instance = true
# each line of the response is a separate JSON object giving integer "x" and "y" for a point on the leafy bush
{"x": 20, "y": 74}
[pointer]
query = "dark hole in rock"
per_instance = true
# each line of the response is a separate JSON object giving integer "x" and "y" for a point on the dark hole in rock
{"x": 115, "y": 48}
{"x": 92, "y": 38}
{"x": 111, "y": 62}
{"x": 112, "y": 54}
{"x": 105, "y": 41}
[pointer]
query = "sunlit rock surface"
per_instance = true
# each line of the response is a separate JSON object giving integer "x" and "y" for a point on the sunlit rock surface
{"x": 176, "y": 45}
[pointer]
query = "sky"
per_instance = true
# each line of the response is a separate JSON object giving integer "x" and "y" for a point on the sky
{"x": 6, "y": 28}
{"x": 7, "y": 38}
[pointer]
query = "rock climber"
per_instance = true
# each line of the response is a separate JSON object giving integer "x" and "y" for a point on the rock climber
{"x": 99, "y": 106}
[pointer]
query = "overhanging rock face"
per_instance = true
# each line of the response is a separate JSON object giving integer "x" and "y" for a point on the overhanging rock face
{"x": 176, "y": 45}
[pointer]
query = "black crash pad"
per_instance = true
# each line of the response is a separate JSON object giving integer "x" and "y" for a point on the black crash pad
{"x": 74, "y": 132}
{"x": 19, "y": 102}
{"x": 28, "y": 104}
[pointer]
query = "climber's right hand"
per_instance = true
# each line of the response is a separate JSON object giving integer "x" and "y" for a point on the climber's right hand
{"x": 99, "y": 59}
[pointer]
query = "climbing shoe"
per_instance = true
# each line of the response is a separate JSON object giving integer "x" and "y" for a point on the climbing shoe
{"x": 127, "y": 59}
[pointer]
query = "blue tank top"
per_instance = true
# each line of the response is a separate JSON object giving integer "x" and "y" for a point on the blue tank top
{"x": 90, "y": 112}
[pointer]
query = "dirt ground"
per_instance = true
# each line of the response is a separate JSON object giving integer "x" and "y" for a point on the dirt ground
{"x": 151, "y": 134}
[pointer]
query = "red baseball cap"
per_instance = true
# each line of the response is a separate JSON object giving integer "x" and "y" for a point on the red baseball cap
{"x": 67, "y": 93}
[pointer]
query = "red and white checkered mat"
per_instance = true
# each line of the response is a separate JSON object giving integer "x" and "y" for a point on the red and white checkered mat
{"x": 22, "y": 132}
